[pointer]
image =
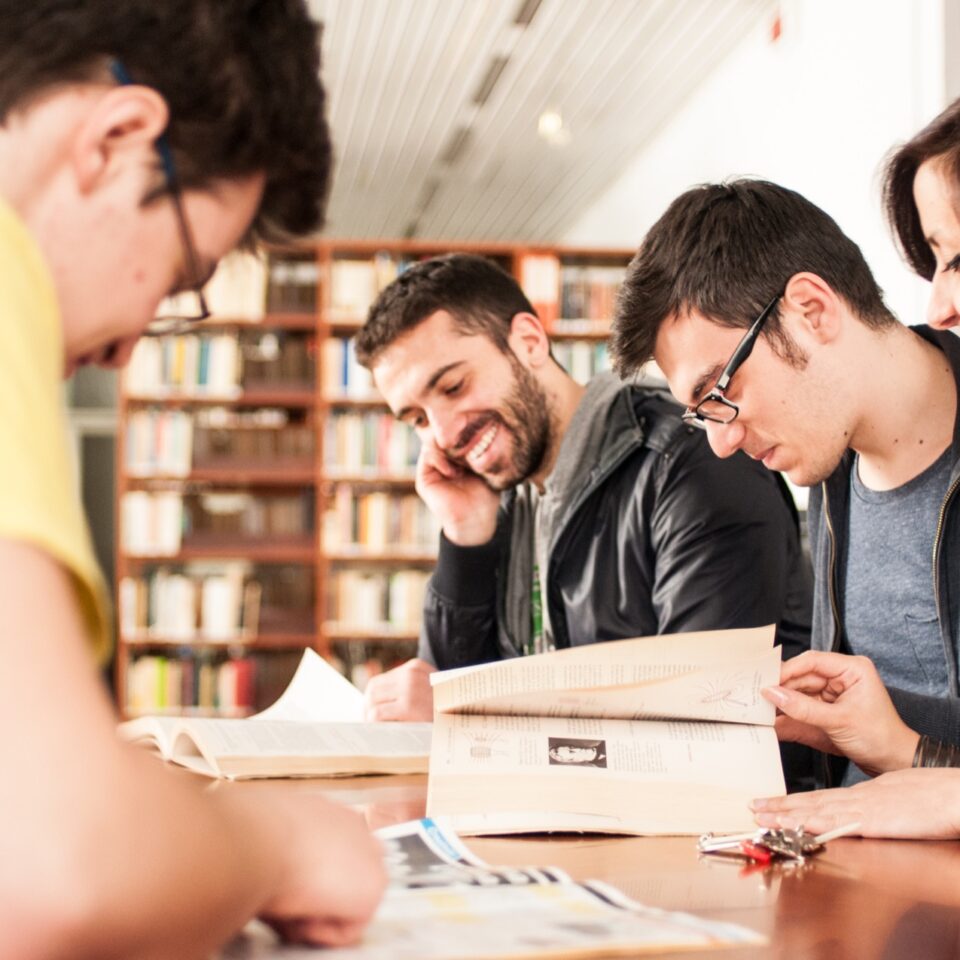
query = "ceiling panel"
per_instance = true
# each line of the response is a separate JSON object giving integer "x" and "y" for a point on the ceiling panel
{"x": 417, "y": 156}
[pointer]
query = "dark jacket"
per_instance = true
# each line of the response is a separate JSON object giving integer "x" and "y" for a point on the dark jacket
{"x": 828, "y": 515}
{"x": 652, "y": 534}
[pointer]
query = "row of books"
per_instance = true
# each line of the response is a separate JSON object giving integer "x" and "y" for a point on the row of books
{"x": 292, "y": 285}
{"x": 570, "y": 297}
{"x": 179, "y": 607}
{"x": 242, "y": 515}
{"x": 582, "y": 359}
{"x": 170, "y": 443}
{"x": 159, "y": 683}
{"x": 151, "y": 523}
{"x": 219, "y": 364}
{"x": 224, "y": 436}
{"x": 203, "y": 365}
{"x": 355, "y": 284}
{"x": 368, "y": 601}
{"x": 378, "y": 521}
{"x": 342, "y": 376}
{"x": 371, "y": 442}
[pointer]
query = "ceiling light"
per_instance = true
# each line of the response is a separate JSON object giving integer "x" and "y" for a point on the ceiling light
{"x": 550, "y": 127}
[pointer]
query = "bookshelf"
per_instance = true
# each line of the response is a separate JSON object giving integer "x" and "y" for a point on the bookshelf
{"x": 265, "y": 495}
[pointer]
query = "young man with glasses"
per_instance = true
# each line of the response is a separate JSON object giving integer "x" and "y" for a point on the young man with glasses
{"x": 571, "y": 514}
{"x": 770, "y": 328}
{"x": 139, "y": 142}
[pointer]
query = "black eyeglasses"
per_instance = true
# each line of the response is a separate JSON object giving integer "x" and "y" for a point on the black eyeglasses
{"x": 189, "y": 306}
{"x": 715, "y": 407}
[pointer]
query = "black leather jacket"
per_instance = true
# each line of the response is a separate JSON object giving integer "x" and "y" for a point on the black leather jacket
{"x": 654, "y": 534}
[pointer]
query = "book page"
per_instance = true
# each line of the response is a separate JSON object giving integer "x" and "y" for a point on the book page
{"x": 152, "y": 731}
{"x": 725, "y": 671}
{"x": 728, "y": 692}
{"x": 503, "y": 774}
{"x": 317, "y": 692}
{"x": 265, "y": 748}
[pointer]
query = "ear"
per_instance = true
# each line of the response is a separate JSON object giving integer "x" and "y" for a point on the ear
{"x": 811, "y": 309}
{"x": 121, "y": 128}
{"x": 528, "y": 340}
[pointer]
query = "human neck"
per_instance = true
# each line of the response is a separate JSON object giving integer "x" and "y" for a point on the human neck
{"x": 909, "y": 407}
{"x": 563, "y": 396}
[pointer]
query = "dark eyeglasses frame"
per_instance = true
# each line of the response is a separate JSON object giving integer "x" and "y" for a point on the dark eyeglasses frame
{"x": 164, "y": 325}
{"x": 695, "y": 416}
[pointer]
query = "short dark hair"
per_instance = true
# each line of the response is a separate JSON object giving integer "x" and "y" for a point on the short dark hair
{"x": 241, "y": 79}
{"x": 724, "y": 250}
{"x": 480, "y": 296}
{"x": 939, "y": 139}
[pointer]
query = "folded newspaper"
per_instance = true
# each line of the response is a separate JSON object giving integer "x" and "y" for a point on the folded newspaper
{"x": 445, "y": 904}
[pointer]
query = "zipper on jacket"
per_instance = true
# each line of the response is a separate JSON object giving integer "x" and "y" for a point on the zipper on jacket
{"x": 936, "y": 542}
{"x": 835, "y": 645}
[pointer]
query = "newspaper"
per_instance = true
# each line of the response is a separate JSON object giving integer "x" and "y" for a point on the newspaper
{"x": 445, "y": 904}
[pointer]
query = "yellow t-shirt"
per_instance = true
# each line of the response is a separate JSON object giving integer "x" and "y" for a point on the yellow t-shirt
{"x": 39, "y": 501}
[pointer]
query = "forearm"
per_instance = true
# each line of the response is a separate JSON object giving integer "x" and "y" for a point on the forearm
{"x": 177, "y": 872}
{"x": 103, "y": 852}
{"x": 460, "y": 610}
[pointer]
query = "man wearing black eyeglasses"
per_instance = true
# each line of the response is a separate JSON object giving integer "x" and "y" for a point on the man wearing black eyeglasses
{"x": 770, "y": 328}
{"x": 139, "y": 142}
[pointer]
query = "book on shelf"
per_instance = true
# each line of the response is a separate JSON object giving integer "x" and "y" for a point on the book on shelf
{"x": 187, "y": 365}
{"x": 161, "y": 683}
{"x": 582, "y": 359}
{"x": 369, "y": 443}
{"x": 355, "y": 284}
{"x": 344, "y": 377}
{"x": 313, "y": 730}
{"x": 374, "y": 602}
{"x": 657, "y": 735}
{"x": 292, "y": 284}
{"x": 376, "y": 522}
{"x": 540, "y": 280}
{"x": 445, "y": 903}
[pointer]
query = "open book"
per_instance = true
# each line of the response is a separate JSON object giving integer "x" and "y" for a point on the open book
{"x": 313, "y": 730}
{"x": 443, "y": 903}
{"x": 659, "y": 735}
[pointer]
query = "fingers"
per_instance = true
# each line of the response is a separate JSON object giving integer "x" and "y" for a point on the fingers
{"x": 817, "y": 812}
{"x": 793, "y": 731}
{"x": 800, "y": 707}
{"x": 401, "y": 694}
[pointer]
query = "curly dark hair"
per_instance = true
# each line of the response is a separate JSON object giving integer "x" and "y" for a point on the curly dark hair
{"x": 241, "y": 79}
{"x": 479, "y": 295}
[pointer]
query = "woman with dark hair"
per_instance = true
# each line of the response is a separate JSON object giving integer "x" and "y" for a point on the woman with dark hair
{"x": 838, "y": 703}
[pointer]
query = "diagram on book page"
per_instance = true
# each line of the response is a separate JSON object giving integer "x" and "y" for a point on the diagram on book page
{"x": 485, "y": 745}
{"x": 733, "y": 691}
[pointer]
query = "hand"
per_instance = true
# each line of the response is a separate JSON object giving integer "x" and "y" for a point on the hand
{"x": 332, "y": 876}
{"x": 403, "y": 693}
{"x": 907, "y": 804}
{"x": 465, "y": 506}
{"x": 838, "y": 704}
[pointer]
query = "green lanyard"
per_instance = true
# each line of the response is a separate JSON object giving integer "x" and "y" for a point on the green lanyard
{"x": 535, "y": 644}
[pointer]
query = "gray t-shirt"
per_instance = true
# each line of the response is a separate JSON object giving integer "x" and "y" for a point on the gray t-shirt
{"x": 889, "y": 609}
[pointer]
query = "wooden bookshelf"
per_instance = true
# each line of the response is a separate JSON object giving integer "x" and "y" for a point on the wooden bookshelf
{"x": 260, "y": 413}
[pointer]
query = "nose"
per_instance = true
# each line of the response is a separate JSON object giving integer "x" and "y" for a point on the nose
{"x": 444, "y": 429}
{"x": 944, "y": 306}
{"x": 725, "y": 438}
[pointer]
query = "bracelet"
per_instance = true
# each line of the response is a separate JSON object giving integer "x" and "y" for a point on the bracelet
{"x": 935, "y": 753}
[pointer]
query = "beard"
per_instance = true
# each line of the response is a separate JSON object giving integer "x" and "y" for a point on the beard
{"x": 525, "y": 417}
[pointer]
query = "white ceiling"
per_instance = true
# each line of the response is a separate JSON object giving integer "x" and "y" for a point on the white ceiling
{"x": 402, "y": 76}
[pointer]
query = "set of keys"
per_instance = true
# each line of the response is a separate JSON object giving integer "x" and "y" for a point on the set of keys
{"x": 764, "y": 846}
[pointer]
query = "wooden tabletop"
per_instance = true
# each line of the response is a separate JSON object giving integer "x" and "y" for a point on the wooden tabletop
{"x": 859, "y": 899}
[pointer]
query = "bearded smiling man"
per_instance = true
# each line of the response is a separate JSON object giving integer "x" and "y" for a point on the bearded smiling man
{"x": 570, "y": 515}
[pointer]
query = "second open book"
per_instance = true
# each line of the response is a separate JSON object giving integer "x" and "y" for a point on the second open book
{"x": 650, "y": 736}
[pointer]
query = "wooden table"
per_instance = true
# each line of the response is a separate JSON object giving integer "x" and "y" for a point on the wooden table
{"x": 859, "y": 899}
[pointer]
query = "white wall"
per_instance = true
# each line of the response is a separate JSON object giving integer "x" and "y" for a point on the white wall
{"x": 816, "y": 111}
